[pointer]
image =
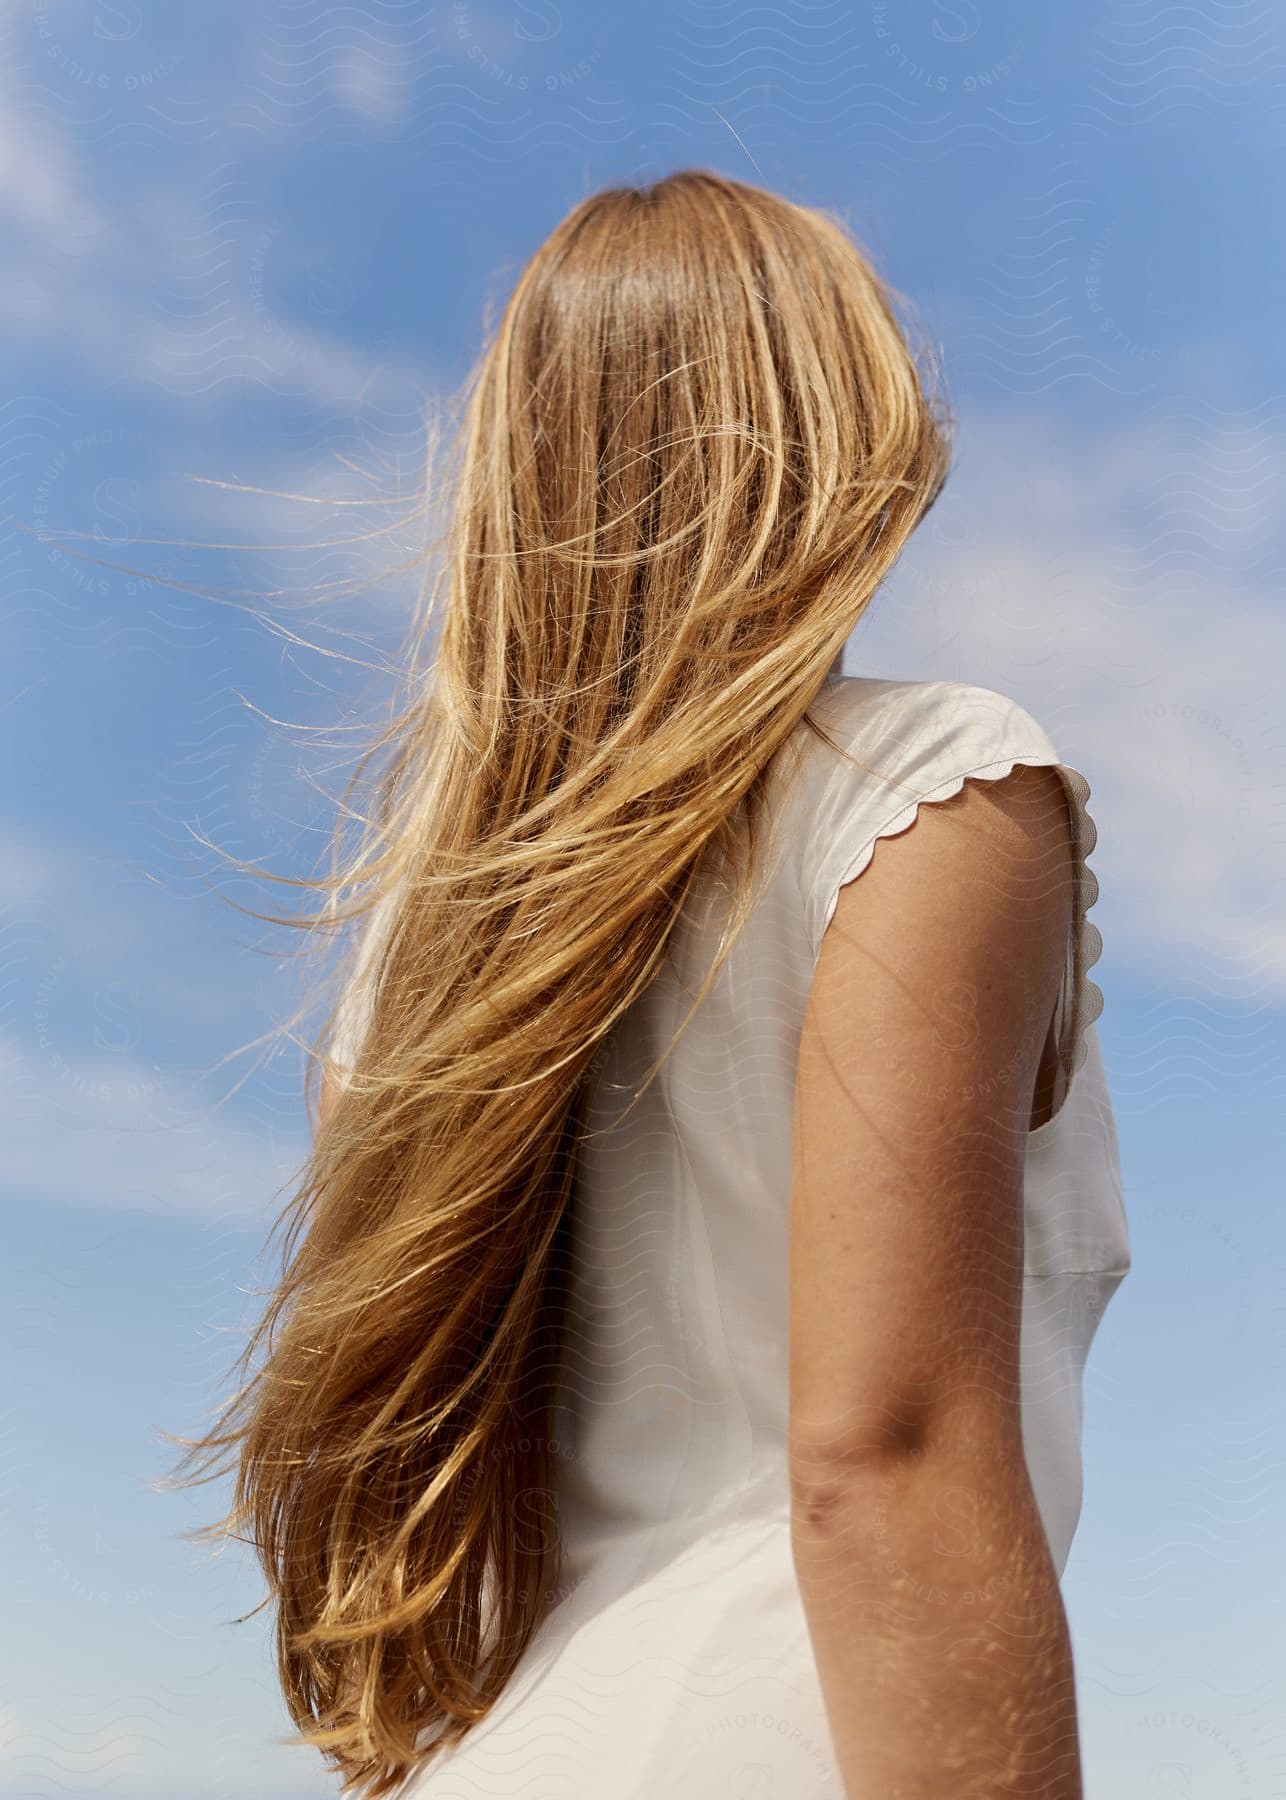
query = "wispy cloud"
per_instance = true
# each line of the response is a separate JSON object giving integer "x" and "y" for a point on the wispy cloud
{"x": 177, "y": 283}
{"x": 1119, "y": 588}
{"x": 113, "y": 1133}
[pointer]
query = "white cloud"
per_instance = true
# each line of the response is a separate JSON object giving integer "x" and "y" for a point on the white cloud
{"x": 374, "y": 80}
{"x": 142, "y": 1068}
{"x": 1136, "y": 632}
{"x": 108, "y": 1131}
{"x": 344, "y": 543}
{"x": 177, "y": 285}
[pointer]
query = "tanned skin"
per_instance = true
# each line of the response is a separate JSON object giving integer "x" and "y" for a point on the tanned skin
{"x": 932, "y": 1600}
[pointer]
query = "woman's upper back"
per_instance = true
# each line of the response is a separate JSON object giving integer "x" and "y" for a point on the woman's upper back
{"x": 677, "y": 1360}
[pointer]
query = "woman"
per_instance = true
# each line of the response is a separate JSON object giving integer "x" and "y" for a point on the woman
{"x": 675, "y": 1385}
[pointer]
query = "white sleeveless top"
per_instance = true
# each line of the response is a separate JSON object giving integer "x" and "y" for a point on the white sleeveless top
{"x": 677, "y": 1658}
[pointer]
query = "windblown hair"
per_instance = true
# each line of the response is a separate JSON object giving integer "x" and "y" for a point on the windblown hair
{"x": 694, "y": 447}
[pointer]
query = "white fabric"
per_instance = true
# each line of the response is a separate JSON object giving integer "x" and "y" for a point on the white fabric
{"x": 677, "y": 1659}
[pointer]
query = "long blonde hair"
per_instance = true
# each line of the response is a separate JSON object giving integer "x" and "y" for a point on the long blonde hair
{"x": 694, "y": 447}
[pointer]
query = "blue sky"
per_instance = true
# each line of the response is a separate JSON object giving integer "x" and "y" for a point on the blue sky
{"x": 243, "y": 249}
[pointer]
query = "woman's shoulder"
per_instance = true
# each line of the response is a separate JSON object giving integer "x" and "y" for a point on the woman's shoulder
{"x": 890, "y": 747}
{"x": 944, "y": 720}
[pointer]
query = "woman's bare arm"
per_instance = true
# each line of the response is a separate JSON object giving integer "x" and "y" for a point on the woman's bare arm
{"x": 932, "y": 1600}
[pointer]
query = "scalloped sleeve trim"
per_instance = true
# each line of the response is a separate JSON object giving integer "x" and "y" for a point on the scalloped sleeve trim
{"x": 1080, "y": 999}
